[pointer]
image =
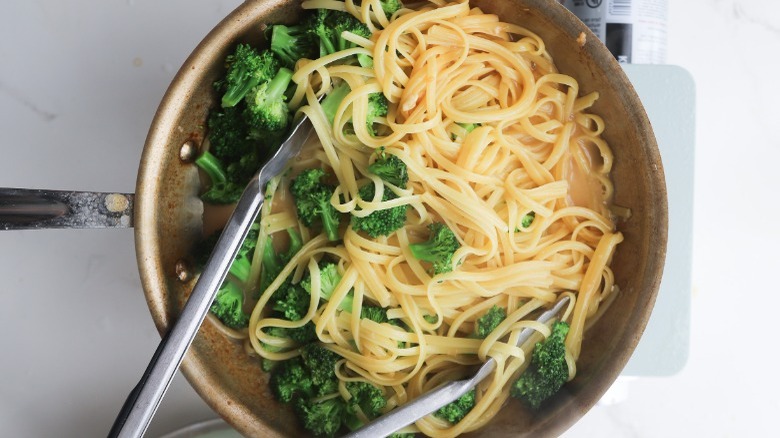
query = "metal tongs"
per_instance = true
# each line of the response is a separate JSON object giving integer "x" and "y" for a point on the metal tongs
{"x": 142, "y": 403}
{"x": 432, "y": 401}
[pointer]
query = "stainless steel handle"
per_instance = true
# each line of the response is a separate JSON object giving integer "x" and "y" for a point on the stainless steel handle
{"x": 143, "y": 401}
{"x": 431, "y": 401}
{"x": 24, "y": 209}
{"x": 427, "y": 403}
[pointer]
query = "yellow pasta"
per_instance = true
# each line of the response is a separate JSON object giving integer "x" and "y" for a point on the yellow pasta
{"x": 490, "y": 132}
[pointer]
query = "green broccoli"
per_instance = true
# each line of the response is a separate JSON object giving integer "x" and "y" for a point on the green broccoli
{"x": 342, "y": 22}
{"x": 266, "y": 109}
{"x": 246, "y": 69}
{"x": 272, "y": 264}
{"x": 321, "y": 363}
{"x": 333, "y": 99}
{"x": 367, "y": 398}
{"x": 431, "y": 319}
{"x": 320, "y": 31}
{"x": 291, "y": 378}
{"x": 390, "y": 7}
{"x": 228, "y": 306}
{"x": 374, "y": 313}
{"x": 237, "y": 157}
{"x": 528, "y": 220}
{"x": 329, "y": 279}
{"x": 326, "y": 27}
{"x": 228, "y": 135}
{"x": 380, "y": 222}
{"x": 390, "y": 168}
{"x": 291, "y": 302}
{"x": 468, "y": 127}
{"x": 268, "y": 365}
{"x": 377, "y": 107}
{"x": 312, "y": 201}
{"x": 321, "y": 418}
{"x": 455, "y": 411}
{"x": 291, "y": 43}
{"x": 547, "y": 371}
{"x": 489, "y": 321}
{"x": 439, "y": 248}
{"x": 221, "y": 190}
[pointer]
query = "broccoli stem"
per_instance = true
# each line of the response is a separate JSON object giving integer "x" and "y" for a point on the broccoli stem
{"x": 240, "y": 269}
{"x": 332, "y": 101}
{"x": 278, "y": 85}
{"x": 330, "y": 224}
{"x": 235, "y": 94}
{"x": 212, "y": 166}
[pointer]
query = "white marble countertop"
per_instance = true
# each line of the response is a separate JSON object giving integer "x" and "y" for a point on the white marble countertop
{"x": 79, "y": 84}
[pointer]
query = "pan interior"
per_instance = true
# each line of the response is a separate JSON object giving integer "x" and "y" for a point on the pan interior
{"x": 168, "y": 221}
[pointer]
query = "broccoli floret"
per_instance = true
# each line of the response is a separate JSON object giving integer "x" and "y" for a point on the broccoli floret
{"x": 321, "y": 363}
{"x": 528, "y": 219}
{"x": 228, "y": 306}
{"x": 547, "y": 371}
{"x": 291, "y": 378}
{"x": 221, "y": 190}
{"x": 303, "y": 335}
{"x": 455, "y": 411}
{"x": 439, "y": 248}
{"x": 367, "y": 397}
{"x": 320, "y": 31}
{"x": 489, "y": 321}
{"x": 228, "y": 134}
{"x": 374, "y": 313}
{"x": 229, "y": 302}
{"x": 272, "y": 264}
{"x": 246, "y": 69}
{"x": 377, "y": 107}
{"x": 380, "y": 222}
{"x": 431, "y": 319}
{"x": 323, "y": 418}
{"x": 292, "y": 302}
{"x": 344, "y": 22}
{"x": 268, "y": 365}
{"x": 390, "y": 7}
{"x": 332, "y": 101}
{"x": 265, "y": 105}
{"x": 326, "y": 27}
{"x": 468, "y": 127}
{"x": 329, "y": 279}
{"x": 295, "y": 245}
{"x": 390, "y": 168}
{"x": 291, "y": 43}
{"x": 312, "y": 201}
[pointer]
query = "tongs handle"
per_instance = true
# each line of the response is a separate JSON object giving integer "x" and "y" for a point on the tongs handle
{"x": 431, "y": 401}
{"x": 143, "y": 401}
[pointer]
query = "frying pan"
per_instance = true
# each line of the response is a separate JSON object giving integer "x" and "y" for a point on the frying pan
{"x": 167, "y": 216}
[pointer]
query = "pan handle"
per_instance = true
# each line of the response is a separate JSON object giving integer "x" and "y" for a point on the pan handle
{"x": 25, "y": 209}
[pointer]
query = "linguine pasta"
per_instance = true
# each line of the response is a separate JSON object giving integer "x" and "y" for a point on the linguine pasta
{"x": 535, "y": 149}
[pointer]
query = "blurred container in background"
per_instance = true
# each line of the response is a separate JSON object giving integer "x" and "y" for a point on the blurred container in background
{"x": 633, "y": 30}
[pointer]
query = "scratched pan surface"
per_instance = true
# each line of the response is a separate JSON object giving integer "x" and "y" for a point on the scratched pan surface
{"x": 168, "y": 219}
